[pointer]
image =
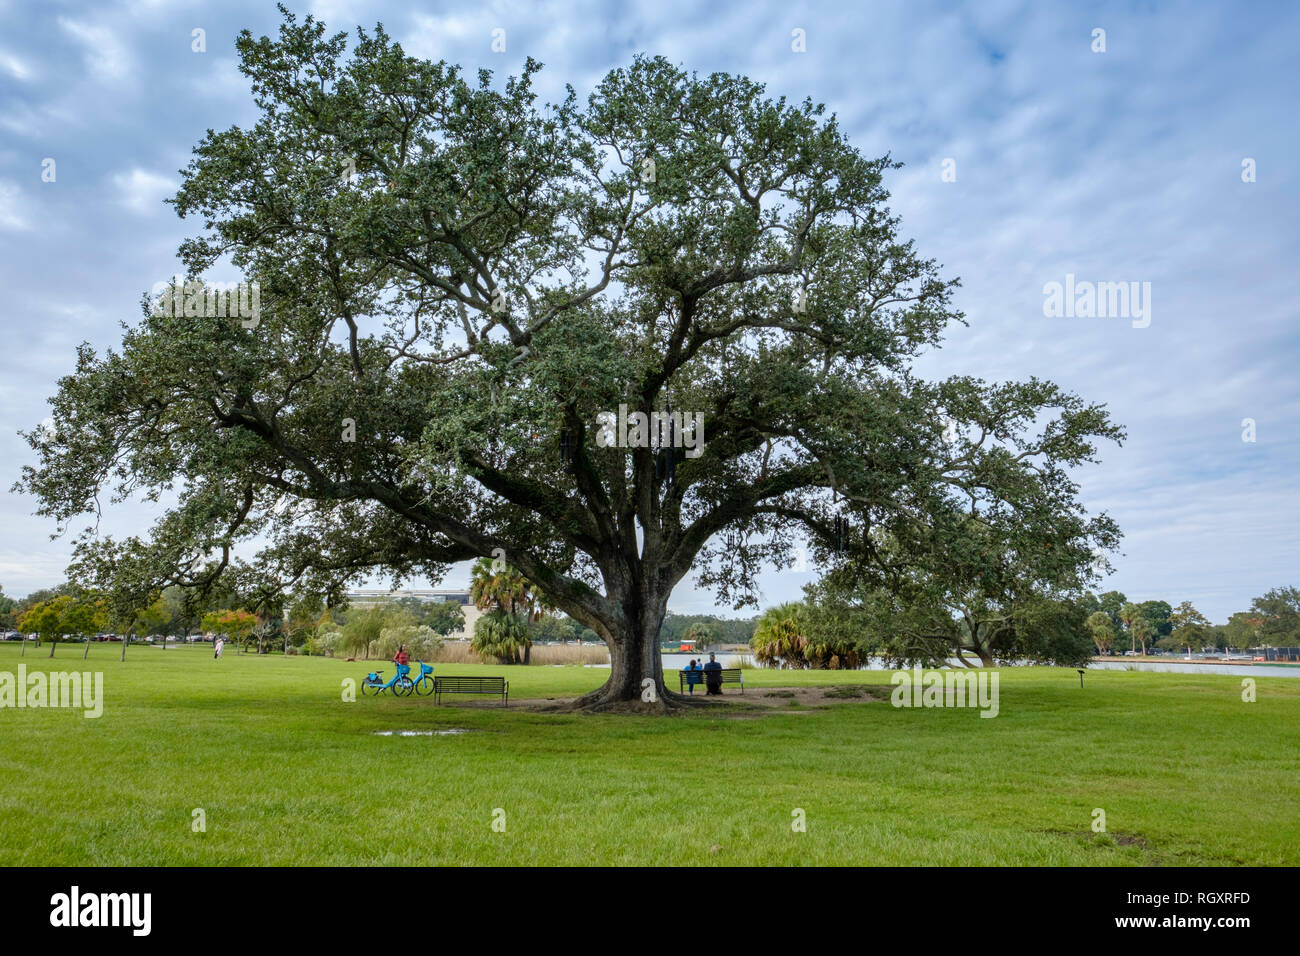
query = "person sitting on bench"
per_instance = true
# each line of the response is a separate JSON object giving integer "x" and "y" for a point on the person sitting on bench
{"x": 692, "y": 676}
{"x": 713, "y": 676}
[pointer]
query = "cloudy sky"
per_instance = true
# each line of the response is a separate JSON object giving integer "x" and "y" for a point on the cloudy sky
{"x": 1030, "y": 155}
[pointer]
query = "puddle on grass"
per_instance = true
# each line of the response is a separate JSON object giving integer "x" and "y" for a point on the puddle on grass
{"x": 421, "y": 733}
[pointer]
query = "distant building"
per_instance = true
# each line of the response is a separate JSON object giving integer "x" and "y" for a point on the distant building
{"x": 365, "y": 597}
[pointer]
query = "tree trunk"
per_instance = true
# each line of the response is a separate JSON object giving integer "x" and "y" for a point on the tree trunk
{"x": 53, "y": 645}
{"x": 86, "y": 652}
{"x": 126, "y": 639}
{"x": 981, "y": 639}
{"x": 634, "y": 659}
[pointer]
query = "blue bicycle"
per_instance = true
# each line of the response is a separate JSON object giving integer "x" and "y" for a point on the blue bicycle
{"x": 401, "y": 683}
{"x": 423, "y": 684}
{"x": 374, "y": 683}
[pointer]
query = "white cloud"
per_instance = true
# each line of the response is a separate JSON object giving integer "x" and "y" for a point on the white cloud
{"x": 14, "y": 66}
{"x": 143, "y": 192}
{"x": 434, "y": 37}
{"x": 339, "y": 14}
{"x": 11, "y": 219}
{"x": 106, "y": 56}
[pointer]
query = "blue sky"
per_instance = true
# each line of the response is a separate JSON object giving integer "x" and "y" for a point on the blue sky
{"x": 1123, "y": 165}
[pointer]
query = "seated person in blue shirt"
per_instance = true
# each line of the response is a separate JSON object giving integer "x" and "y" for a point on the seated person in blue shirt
{"x": 692, "y": 676}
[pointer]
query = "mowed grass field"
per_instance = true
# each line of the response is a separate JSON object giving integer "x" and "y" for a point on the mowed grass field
{"x": 287, "y": 773}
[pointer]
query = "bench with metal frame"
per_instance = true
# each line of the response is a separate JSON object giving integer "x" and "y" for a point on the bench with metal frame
{"x": 471, "y": 685}
{"x": 730, "y": 675}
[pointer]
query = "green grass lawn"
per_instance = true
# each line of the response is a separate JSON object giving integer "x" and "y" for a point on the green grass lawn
{"x": 287, "y": 773}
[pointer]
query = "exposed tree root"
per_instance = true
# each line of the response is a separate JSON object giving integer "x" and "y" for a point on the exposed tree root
{"x": 602, "y": 701}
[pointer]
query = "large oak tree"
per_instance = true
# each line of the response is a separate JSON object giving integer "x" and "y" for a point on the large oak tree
{"x": 455, "y": 281}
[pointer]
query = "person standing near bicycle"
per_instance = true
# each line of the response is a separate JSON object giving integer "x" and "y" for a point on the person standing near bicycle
{"x": 402, "y": 659}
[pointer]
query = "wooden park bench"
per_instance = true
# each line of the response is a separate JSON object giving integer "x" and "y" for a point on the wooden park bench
{"x": 730, "y": 675}
{"x": 471, "y": 685}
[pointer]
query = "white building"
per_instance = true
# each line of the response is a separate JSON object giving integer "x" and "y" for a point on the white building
{"x": 363, "y": 597}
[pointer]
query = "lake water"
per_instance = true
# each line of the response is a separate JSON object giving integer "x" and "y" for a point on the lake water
{"x": 674, "y": 662}
{"x": 678, "y": 661}
{"x": 1181, "y": 667}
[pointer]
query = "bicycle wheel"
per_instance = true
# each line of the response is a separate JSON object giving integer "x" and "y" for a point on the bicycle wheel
{"x": 403, "y": 687}
{"x": 368, "y": 689}
{"x": 424, "y": 686}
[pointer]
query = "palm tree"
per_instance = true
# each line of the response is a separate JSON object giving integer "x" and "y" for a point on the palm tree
{"x": 782, "y": 637}
{"x": 503, "y": 636}
{"x": 778, "y": 637}
{"x": 701, "y": 634}
{"x": 1102, "y": 631}
{"x": 1129, "y": 614}
{"x": 510, "y": 603}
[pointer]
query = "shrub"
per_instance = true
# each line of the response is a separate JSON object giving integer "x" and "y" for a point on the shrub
{"x": 329, "y": 642}
{"x": 421, "y": 642}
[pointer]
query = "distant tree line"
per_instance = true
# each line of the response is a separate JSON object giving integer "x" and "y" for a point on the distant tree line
{"x": 841, "y": 621}
{"x": 293, "y": 623}
{"x": 1273, "y": 620}
{"x": 707, "y": 630}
